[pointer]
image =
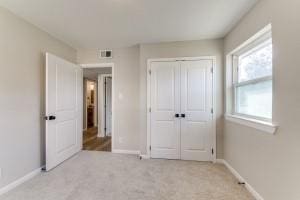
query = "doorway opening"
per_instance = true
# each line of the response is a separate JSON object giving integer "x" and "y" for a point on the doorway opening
{"x": 97, "y": 107}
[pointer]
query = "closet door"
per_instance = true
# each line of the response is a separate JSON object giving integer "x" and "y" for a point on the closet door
{"x": 196, "y": 105}
{"x": 165, "y": 104}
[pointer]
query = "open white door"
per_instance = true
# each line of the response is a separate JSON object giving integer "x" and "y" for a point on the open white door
{"x": 64, "y": 82}
{"x": 108, "y": 105}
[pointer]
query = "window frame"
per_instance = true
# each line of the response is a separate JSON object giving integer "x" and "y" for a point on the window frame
{"x": 258, "y": 44}
{"x": 265, "y": 125}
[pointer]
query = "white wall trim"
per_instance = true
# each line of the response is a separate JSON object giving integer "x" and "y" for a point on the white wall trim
{"x": 121, "y": 151}
{"x": 20, "y": 181}
{"x": 214, "y": 103}
{"x": 255, "y": 194}
{"x": 102, "y": 65}
{"x": 267, "y": 127}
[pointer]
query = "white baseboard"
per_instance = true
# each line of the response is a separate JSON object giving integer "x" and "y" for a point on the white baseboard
{"x": 20, "y": 181}
{"x": 144, "y": 156}
{"x": 255, "y": 194}
{"x": 126, "y": 151}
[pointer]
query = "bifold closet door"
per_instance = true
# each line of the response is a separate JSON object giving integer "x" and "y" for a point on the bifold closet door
{"x": 196, "y": 105}
{"x": 165, "y": 104}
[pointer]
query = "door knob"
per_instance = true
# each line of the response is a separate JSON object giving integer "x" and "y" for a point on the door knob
{"x": 51, "y": 117}
{"x": 183, "y": 115}
{"x": 177, "y": 115}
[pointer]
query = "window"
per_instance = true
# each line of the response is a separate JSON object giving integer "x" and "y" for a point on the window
{"x": 252, "y": 84}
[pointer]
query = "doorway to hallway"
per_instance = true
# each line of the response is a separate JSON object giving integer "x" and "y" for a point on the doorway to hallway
{"x": 97, "y": 104}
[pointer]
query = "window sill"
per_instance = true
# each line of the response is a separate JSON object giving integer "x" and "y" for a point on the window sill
{"x": 267, "y": 127}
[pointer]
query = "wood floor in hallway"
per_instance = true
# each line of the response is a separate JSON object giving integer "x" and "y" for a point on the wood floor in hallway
{"x": 93, "y": 143}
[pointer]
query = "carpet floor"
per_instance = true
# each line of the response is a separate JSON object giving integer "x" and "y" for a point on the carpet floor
{"x": 107, "y": 176}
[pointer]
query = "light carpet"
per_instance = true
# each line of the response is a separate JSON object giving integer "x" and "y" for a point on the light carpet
{"x": 107, "y": 176}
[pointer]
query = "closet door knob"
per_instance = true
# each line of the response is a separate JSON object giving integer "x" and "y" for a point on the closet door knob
{"x": 183, "y": 115}
{"x": 177, "y": 115}
{"x": 51, "y": 117}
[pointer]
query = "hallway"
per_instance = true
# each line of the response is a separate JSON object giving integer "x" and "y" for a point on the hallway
{"x": 93, "y": 143}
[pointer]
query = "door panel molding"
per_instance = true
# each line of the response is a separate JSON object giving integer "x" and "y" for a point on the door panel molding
{"x": 196, "y": 104}
{"x": 165, "y": 103}
{"x": 213, "y": 100}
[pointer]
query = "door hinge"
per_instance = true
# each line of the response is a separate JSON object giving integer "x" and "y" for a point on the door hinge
{"x": 212, "y": 151}
{"x": 150, "y": 110}
{"x": 212, "y": 111}
{"x": 150, "y": 148}
{"x": 150, "y": 71}
{"x": 212, "y": 70}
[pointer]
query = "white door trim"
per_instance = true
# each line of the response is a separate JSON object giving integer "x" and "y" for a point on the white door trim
{"x": 214, "y": 135}
{"x": 103, "y": 65}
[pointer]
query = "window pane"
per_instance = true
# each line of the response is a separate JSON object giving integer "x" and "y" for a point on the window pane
{"x": 255, "y": 99}
{"x": 256, "y": 63}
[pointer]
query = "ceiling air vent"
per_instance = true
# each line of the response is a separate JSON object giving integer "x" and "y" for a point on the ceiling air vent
{"x": 105, "y": 54}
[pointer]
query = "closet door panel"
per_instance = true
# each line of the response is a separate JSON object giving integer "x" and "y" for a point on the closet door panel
{"x": 196, "y": 105}
{"x": 165, "y": 103}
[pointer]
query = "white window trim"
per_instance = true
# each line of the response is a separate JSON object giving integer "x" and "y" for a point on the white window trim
{"x": 265, "y": 125}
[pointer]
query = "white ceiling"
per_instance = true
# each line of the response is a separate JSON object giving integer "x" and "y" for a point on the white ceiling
{"x": 91, "y": 24}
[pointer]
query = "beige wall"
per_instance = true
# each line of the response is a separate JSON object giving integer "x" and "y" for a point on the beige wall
{"x": 126, "y": 111}
{"x": 22, "y": 78}
{"x": 271, "y": 163}
{"x": 181, "y": 49}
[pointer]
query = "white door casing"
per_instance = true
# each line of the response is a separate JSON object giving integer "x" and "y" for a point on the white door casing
{"x": 196, "y": 130}
{"x": 165, "y": 103}
{"x": 64, "y": 101}
{"x": 196, "y": 105}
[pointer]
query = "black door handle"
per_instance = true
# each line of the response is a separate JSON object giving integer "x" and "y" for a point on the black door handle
{"x": 51, "y": 117}
{"x": 177, "y": 115}
{"x": 183, "y": 115}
